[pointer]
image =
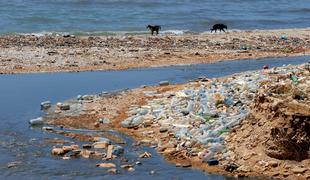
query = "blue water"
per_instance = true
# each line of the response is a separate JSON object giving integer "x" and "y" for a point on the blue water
{"x": 21, "y": 94}
{"x": 114, "y": 16}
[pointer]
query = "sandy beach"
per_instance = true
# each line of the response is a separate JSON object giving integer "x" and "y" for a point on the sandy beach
{"x": 27, "y": 53}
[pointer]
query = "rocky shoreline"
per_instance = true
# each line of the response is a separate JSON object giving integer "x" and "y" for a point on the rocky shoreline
{"x": 56, "y": 53}
{"x": 248, "y": 124}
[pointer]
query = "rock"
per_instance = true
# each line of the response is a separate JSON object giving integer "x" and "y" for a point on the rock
{"x": 109, "y": 151}
{"x": 231, "y": 167}
{"x": 67, "y": 148}
{"x": 273, "y": 163}
{"x": 106, "y": 165}
{"x": 58, "y": 151}
{"x": 86, "y": 153}
{"x": 36, "y": 122}
{"x": 163, "y": 129}
{"x": 87, "y": 146}
{"x": 101, "y": 145}
{"x": 275, "y": 174}
{"x": 145, "y": 155}
{"x": 164, "y": 83}
{"x": 285, "y": 174}
{"x": 178, "y": 165}
{"x": 13, "y": 164}
{"x": 98, "y": 155}
{"x": 45, "y": 105}
{"x": 131, "y": 169}
{"x": 299, "y": 170}
{"x": 186, "y": 165}
{"x": 75, "y": 147}
{"x": 213, "y": 162}
{"x": 112, "y": 170}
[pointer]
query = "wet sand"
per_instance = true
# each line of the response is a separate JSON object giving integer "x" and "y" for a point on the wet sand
{"x": 27, "y": 53}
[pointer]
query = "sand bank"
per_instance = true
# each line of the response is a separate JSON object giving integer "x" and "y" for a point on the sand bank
{"x": 26, "y": 53}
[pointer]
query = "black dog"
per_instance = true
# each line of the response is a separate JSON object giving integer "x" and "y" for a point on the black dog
{"x": 153, "y": 28}
{"x": 220, "y": 27}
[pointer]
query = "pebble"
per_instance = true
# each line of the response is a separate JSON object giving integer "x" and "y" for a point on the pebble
{"x": 13, "y": 164}
{"x": 100, "y": 145}
{"x": 131, "y": 169}
{"x": 106, "y": 165}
